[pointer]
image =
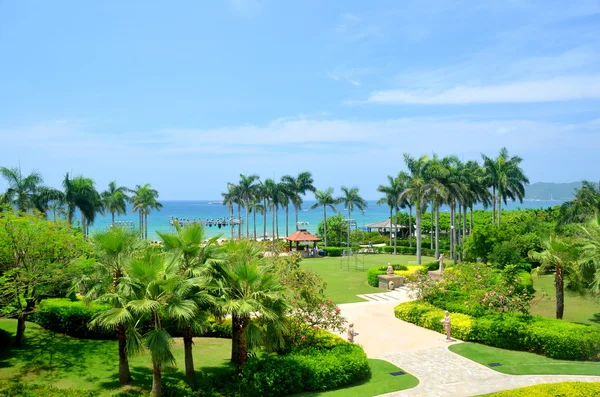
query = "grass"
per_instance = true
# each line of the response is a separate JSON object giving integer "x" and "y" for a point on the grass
{"x": 380, "y": 382}
{"x": 523, "y": 363}
{"x": 344, "y": 284}
{"x": 53, "y": 359}
{"x": 578, "y": 309}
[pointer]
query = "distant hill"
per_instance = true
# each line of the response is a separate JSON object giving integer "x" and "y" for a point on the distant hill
{"x": 551, "y": 191}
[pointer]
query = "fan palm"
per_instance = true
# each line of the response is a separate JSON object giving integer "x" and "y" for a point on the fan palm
{"x": 350, "y": 198}
{"x": 21, "y": 189}
{"x": 297, "y": 187}
{"x": 325, "y": 198}
{"x": 115, "y": 200}
{"x": 81, "y": 193}
{"x": 144, "y": 200}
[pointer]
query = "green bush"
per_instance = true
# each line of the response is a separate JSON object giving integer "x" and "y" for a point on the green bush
{"x": 70, "y": 317}
{"x": 571, "y": 389}
{"x": 334, "y": 251}
{"x": 554, "y": 338}
{"x": 310, "y": 369}
{"x": 219, "y": 329}
{"x": 10, "y": 389}
{"x": 373, "y": 272}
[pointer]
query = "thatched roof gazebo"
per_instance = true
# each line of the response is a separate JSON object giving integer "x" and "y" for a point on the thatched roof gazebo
{"x": 302, "y": 235}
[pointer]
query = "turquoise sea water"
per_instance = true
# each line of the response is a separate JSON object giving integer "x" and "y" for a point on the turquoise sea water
{"x": 203, "y": 209}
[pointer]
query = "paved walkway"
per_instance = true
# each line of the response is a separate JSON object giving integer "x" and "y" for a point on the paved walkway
{"x": 424, "y": 353}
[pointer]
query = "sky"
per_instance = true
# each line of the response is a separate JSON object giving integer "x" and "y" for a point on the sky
{"x": 187, "y": 95}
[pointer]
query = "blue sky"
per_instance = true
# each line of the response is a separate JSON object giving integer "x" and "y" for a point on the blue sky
{"x": 188, "y": 95}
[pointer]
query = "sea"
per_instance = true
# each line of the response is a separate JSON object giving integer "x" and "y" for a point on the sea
{"x": 207, "y": 210}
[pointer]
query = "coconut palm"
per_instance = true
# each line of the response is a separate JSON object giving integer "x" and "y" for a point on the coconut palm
{"x": 325, "y": 198}
{"x": 21, "y": 189}
{"x": 247, "y": 287}
{"x": 405, "y": 202}
{"x": 286, "y": 195}
{"x": 272, "y": 195}
{"x": 193, "y": 256}
{"x": 115, "y": 200}
{"x": 230, "y": 199}
{"x": 81, "y": 193}
{"x": 350, "y": 198}
{"x": 256, "y": 206}
{"x": 247, "y": 187}
{"x": 391, "y": 199}
{"x": 584, "y": 205}
{"x": 297, "y": 187}
{"x": 559, "y": 255}
{"x": 144, "y": 200}
{"x": 47, "y": 198}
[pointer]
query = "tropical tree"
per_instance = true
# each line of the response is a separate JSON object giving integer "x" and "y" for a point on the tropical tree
{"x": 506, "y": 179}
{"x": 391, "y": 199}
{"x": 560, "y": 256}
{"x": 350, "y": 198}
{"x": 257, "y": 207}
{"x": 144, "y": 200}
{"x": 271, "y": 196}
{"x": 297, "y": 187}
{"x": 114, "y": 200}
{"x": 230, "y": 199}
{"x": 47, "y": 198}
{"x": 247, "y": 187}
{"x": 325, "y": 198}
{"x": 246, "y": 287}
{"x": 21, "y": 190}
{"x": 583, "y": 206}
{"x": 589, "y": 255}
{"x": 81, "y": 193}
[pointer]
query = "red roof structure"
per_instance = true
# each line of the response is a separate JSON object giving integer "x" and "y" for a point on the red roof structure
{"x": 302, "y": 235}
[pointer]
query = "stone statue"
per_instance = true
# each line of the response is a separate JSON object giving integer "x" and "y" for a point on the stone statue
{"x": 441, "y": 260}
{"x": 447, "y": 325}
{"x": 390, "y": 270}
{"x": 351, "y": 333}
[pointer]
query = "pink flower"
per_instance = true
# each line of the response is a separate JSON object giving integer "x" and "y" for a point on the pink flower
{"x": 337, "y": 310}
{"x": 315, "y": 326}
{"x": 303, "y": 337}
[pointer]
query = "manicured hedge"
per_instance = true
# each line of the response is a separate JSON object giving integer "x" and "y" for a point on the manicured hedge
{"x": 28, "y": 390}
{"x": 554, "y": 338}
{"x": 310, "y": 369}
{"x": 373, "y": 272}
{"x": 571, "y": 389}
{"x": 70, "y": 317}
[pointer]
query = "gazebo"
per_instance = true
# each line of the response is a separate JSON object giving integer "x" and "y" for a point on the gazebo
{"x": 302, "y": 235}
{"x": 385, "y": 227}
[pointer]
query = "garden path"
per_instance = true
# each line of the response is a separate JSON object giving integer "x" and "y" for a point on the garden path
{"x": 424, "y": 353}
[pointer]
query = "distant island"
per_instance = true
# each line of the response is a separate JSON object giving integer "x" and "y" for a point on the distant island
{"x": 551, "y": 191}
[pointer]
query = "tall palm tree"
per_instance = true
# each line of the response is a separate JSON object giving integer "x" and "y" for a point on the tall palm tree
{"x": 506, "y": 177}
{"x": 391, "y": 198}
{"x": 247, "y": 187}
{"x": 144, "y": 200}
{"x": 285, "y": 195}
{"x": 350, "y": 198}
{"x": 81, "y": 193}
{"x": 272, "y": 194}
{"x": 193, "y": 256}
{"x": 20, "y": 189}
{"x": 115, "y": 200}
{"x": 230, "y": 199}
{"x": 256, "y": 206}
{"x": 325, "y": 198}
{"x": 46, "y": 198}
{"x": 475, "y": 177}
{"x": 247, "y": 288}
{"x": 297, "y": 187}
{"x": 404, "y": 201}
{"x": 438, "y": 173}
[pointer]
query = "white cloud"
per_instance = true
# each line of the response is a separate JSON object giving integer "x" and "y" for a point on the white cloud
{"x": 552, "y": 90}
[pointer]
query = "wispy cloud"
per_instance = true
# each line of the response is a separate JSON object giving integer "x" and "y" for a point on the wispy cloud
{"x": 349, "y": 75}
{"x": 559, "y": 89}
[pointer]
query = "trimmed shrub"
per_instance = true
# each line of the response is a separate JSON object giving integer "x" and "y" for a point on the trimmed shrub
{"x": 29, "y": 390}
{"x": 373, "y": 272}
{"x": 334, "y": 251}
{"x": 554, "y": 338}
{"x": 219, "y": 329}
{"x": 309, "y": 369}
{"x": 571, "y": 389}
{"x": 70, "y": 317}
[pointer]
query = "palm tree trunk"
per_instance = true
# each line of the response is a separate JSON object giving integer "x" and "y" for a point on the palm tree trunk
{"x": 493, "y": 205}
{"x": 471, "y": 222}
{"x": 287, "y": 222}
{"x": 325, "y": 223}
{"x": 391, "y": 225}
{"x": 273, "y": 227}
{"x": 146, "y": 225}
{"x": 464, "y": 227}
{"x": 410, "y": 226}
{"x": 499, "y": 208}
{"x": 242, "y": 344}
{"x": 265, "y": 218}
{"x": 231, "y": 224}
{"x": 124, "y": 374}
{"x": 83, "y": 224}
{"x": 254, "y": 215}
{"x": 431, "y": 230}
{"x": 348, "y": 242}
{"x": 112, "y": 214}
{"x": 189, "y": 358}
{"x": 437, "y": 230}
{"x": 240, "y": 222}
{"x": 418, "y": 231}
{"x": 559, "y": 284}
{"x": 296, "y": 208}
{"x": 235, "y": 336}
{"x": 396, "y": 234}
{"x": 247, "y": 219}
{"x": 277, "y": 221}
{"x": 452, "y": 229}
{"x": 156, "y": 380}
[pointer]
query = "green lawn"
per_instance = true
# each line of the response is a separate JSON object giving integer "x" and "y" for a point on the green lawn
{"x": 578, "y": 309}
{"x": 523, "y": 363}
{"x": 342, "y": 284}
{"x": 380, "y": 382}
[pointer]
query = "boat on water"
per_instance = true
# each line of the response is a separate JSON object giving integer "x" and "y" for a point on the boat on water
{"x": 215, "y": 202}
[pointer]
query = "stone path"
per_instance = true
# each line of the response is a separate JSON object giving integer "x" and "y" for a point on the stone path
{"x": 424, "y": 353}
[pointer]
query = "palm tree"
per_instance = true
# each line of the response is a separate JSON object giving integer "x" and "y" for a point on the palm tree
{"x": 285, "y": 197}
{"x": 247, "y": 287}
{"x": 81, "y": 193}
{"x": 391, "y": 198}
{"x": 247, "y": 192}
{"x": 325, "y": 198}
{"x": 299, "y": 186}
{"x": 405, "y": 201}
{"x": 271, "y": 195}
{"x": 46, "y": 198}
{"x": 474, "y": 175}
{"x": 230, "y": 199}
{"x": 20, "y": 189}
{"x": 559, "y": 255}
{"x": 350, "y": 198}
{"x": 193, "y": 256}
{"x": 144, "y": 200}
{"x": 584, "y": 205}
{"x": 257, "y": 207}
{"x": 115, "y": 200}
{"x": 506, "y": 178}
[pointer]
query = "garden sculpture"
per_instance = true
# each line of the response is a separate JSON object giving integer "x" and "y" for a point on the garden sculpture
{"x": 351, "y": 333}
{"x": 390, "y": 270}
{"x": 446, "y": 322}
{"x": 441, "y": 259}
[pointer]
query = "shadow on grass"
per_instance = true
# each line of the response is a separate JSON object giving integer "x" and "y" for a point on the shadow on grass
{"x": 595, "y": 318}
